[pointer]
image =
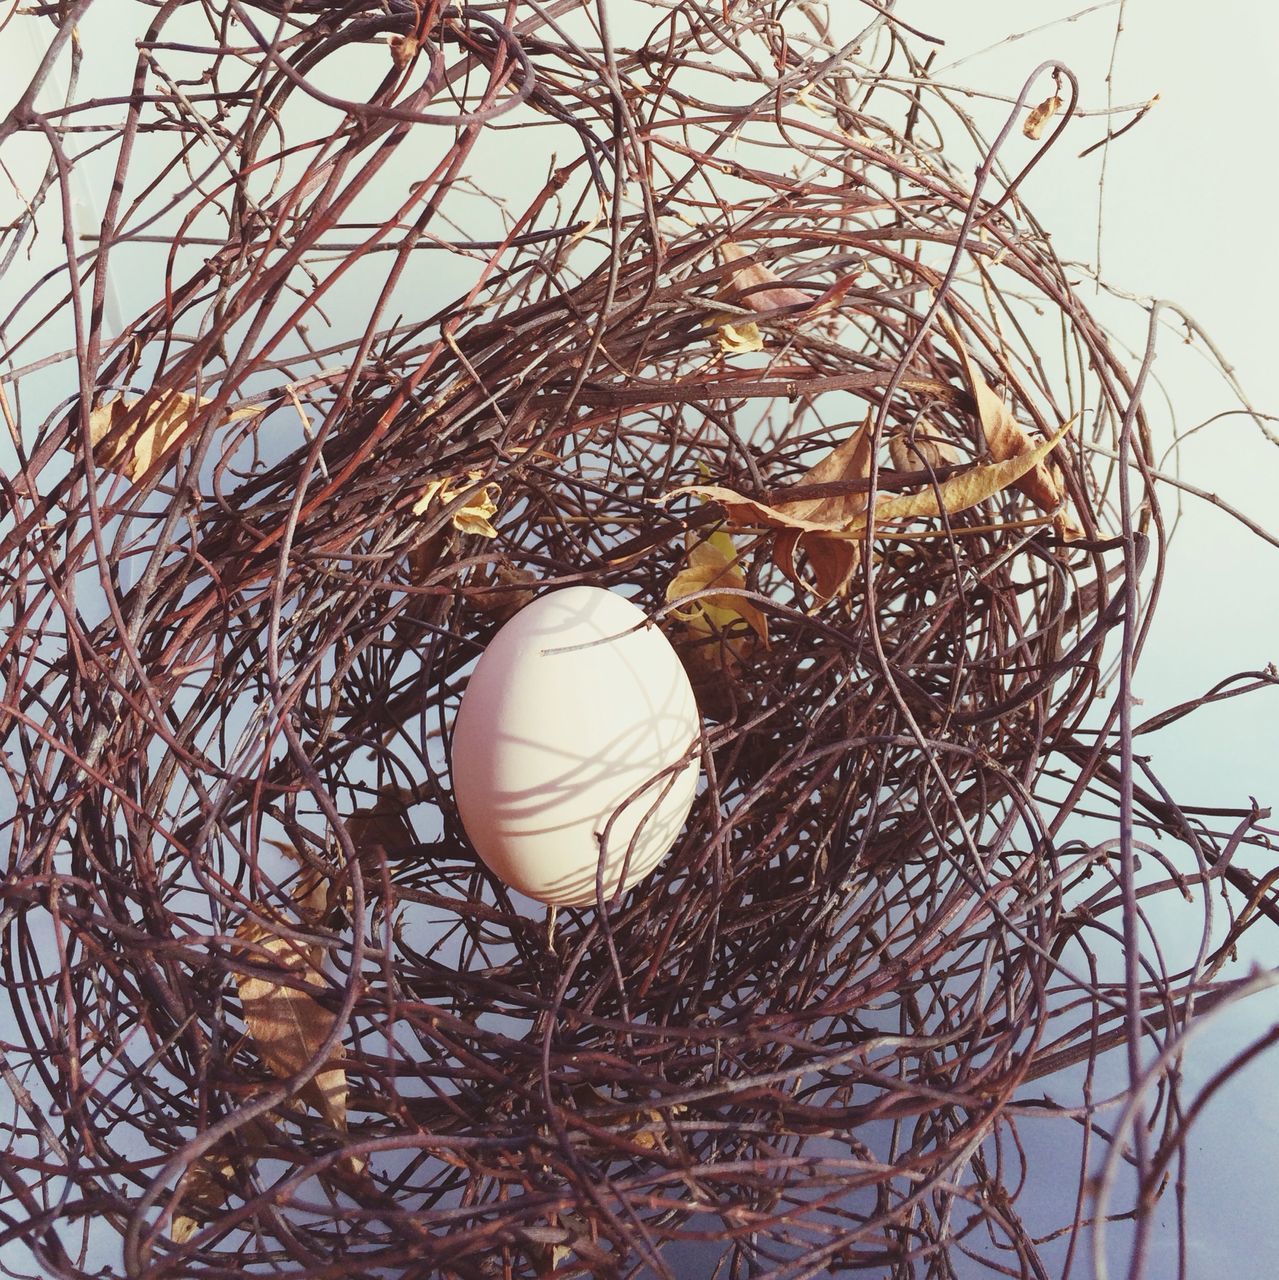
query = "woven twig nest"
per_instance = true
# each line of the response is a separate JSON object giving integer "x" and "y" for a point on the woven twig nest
{"x": 287, "y": 1020}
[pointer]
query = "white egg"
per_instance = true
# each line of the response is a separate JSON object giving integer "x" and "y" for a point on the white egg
{"x": 577, "y": 736}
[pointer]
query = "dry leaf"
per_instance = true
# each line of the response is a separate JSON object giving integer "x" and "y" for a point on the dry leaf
{"x": 965, "y": 490}
{"x": 287, "y": 1024}
{"x": 384, "y": 827}
{"x": 920, "y": 451}
{"x": 805, "y": 97}
{"x": 952, "y": 496}
{"x": 737, "y": 339}
{"x": 643, "y": 1126}
{"x": 424, "y": 558}
{"x": 504, "y": 592}
{"x": 815, "y": 515}
{"x": 1040, "y": 116}
{"x": 757, "y": 288}
{"x": 203, "y": 1187}
{"x": 565, "y": 1234}
{"x": 1006, "y": 439}
{"x": 714, "y": 562}
{"x": 127, "y": 443}
{"x": 650, "y": 1134}
{"x": 403, "y": 50}
{"x": 713, "y": 669}
{"x": 742, "y": 510}
{"x": 833, "y": 561}
{"x": 311, "y": 893}
{"x": 476, "y": 514}
{"x": 832, "y": 296}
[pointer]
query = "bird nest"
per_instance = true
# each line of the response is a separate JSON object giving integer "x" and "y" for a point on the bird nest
{"x": 755, "y": 353}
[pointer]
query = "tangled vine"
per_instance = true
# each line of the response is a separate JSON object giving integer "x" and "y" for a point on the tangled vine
{"x": 396, "y": 312}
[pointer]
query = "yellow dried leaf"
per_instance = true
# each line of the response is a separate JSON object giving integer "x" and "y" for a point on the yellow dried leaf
{"x": 476, "y": 520}
{"x": 287, "y": 1023}
{"x": 475, "y": 514}
{"x": 1040, "y": 116}
{"x": 203, "y": 1187}
{"x": 965, "y": 490}
{"x": 714, "y": 562}
{"x": 643, "y": 1126}
{"x": 738, "y": 338}
{"x": 952, "y": 496}
{"x": 805, "y": 97}
{"x": 403, "y": 50}
{"x": 128, "y": 439}
{"x": 649, "y": 1134}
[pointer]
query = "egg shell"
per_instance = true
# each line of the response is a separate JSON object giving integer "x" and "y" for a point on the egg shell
{"x": 578, "y": 712}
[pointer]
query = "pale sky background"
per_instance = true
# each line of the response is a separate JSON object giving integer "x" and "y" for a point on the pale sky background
{"x": 1189, "y": 208}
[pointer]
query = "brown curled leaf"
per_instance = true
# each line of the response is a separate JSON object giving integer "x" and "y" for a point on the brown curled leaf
{"x": 757, "y": 288}
{"x": 921, "y": 450}
{"x": 804, "y": 522}
{"x": 833, "y": 561}
{"x": 742, "y": 510}
{"x": 1006, "y": 438}
{"x": 424, "y": 559}
{"x": 503, "y": 591}
{"x": 1040, "y": 116}
{"x": 383, "y": 829}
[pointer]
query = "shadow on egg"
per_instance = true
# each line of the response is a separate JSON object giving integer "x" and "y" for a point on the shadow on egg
{"x": 578, "y": 730}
